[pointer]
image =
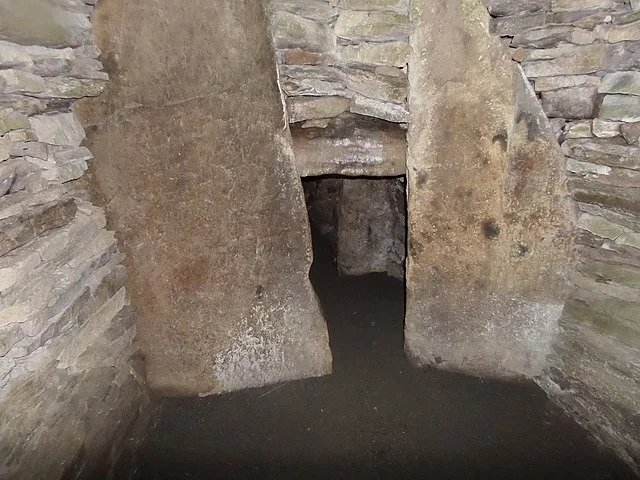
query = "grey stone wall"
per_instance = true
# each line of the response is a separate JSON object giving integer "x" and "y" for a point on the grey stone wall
{"x": 583, "y": 59}
{"x": 343, "y": 72}
{"x": 339, "y": 56}
{"x": 363, "y": 221}
{"x": 68, "y": 392}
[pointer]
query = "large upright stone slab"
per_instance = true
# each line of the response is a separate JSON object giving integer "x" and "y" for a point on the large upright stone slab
{"x": 489, "y": 219}
{"x": 194, "y": 166}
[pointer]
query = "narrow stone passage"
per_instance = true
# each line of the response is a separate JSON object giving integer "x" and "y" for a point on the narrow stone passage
{"x": 375, "y": 417}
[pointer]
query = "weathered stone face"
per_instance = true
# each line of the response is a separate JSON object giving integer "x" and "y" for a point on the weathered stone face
{"x": 200, "y": 186}
{"x": 489, "y": 221}
{"x": 371, "y": 227}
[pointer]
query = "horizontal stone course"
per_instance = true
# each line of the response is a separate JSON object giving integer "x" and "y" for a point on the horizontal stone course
{"x": 61, "y": 276}
{"x": 350, "y": 49}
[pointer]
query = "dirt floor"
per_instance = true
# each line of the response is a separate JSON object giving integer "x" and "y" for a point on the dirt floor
{"x": 375, "y": 417}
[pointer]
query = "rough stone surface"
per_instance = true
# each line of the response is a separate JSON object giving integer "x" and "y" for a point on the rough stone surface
{"x": 630, "y": 132}
{"x": 399, "y": 6}
{"x": 372, "y": 26}
{"x": 501, "y": 8}
{"x": 352, "y": 49}
{"x": 68, "y": 391}
{"x": 350, "y": 146}
{"x": 621, "y": 107}
{"x": 309, "y": 108}
{"x": 218, "y": 244}
{"x": 291, "y": 31}
{"x": 488, "y": 244}
{"x": 570, "y": 103}
{"x": 565, "y": 52}
{"x": 371, "y": 227}
{"x": 363, "y": 221}
{"x": 392, "y": 112}
{"x": 395, "y": 54}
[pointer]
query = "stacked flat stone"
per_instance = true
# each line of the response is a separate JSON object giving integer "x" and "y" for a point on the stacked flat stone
{"x": 66, "y": 385}
{"x": 583, "y": 58}
{"x": 339, "y": 56}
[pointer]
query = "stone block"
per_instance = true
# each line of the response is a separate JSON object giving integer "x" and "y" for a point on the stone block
{"x": 308, "y": 108}
{"x": 621, "y": 199}
{"x": 50, "y": 62}
{"x": 372, "y": 26}
{"x": 624, "y": 108}
{"x": 42, "y": 22}
{"x": 17, "y": 231}
{"x": 67, "y": 87}
{"x": 544, "y": 84}
{"x": 630, "y": 132}
{"x": 5, "y": 148}
{"x": 618, "y": 33}
{"x": 14, "y": 56}
{"x": 379, "y": 87}
{"x": 7, "y": 176}
{"x": 506, "y": 8}
{"x": 371, "y": 239}
{"x": 571, "y": 103}
{"x": 316, "y": 10}
{"x": 395, "y": 54}
{"x": 399, "y": 6}
{"x": 603, "y": 153}
{"x": 621, "y": 177}
{"x": 297, "y": 56}
{"x": 623, "y": 275}
{"x": 580, "y": 60}
{"x": 58, "y": 129}
{"x": 248, "y": 317}
{"x": 312, "y": 80}
{"x": 517, "y": 24}
{"x": 552, "y": 36}
{"x": 484, "y": 290}
{"x": 350, "y": 145}
{"x": 578, "y": 130}
{"x": 17, "y": 81}
{"x": 604, "y": 228}
{"x": 391, "y": 112}
{"x": 621, "y": 82}
{"x": 573, "y": 5}
{"x": 605, "y": 128}
{"x": 293, "y": 31}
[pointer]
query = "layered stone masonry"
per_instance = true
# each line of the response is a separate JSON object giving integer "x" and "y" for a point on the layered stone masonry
{"x": 68, "y": 394}
{"x": 583, "y": 58}
{"x": 338, "y": 56}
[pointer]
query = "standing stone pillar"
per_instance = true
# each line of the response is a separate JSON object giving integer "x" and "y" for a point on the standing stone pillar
{"x": 194, "y": 167}
{"x": 489, "y": 218}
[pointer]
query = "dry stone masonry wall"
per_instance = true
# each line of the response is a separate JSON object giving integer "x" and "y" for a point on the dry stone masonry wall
{"x": 341, "y": 61}
{"x": 583, "y": 58}
{"x": 68, "y": 394}
{"x": 342, "y": 55}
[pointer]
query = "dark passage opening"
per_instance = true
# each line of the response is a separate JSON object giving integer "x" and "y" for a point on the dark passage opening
{"x": 358, "y": 230}
{"x": 375, "y": 416}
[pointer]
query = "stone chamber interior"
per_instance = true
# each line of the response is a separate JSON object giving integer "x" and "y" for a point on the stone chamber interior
{"x": 375, "y": 416}
{"x": 319, "y": 239}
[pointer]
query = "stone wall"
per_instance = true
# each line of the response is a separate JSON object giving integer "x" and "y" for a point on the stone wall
{"x": 336, "y": 56}
{"x": 363, "y": 221}
{"x": 583, "y": 58}
{"x": 68, "y": 392}
{"x": 343, "y": 70}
